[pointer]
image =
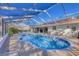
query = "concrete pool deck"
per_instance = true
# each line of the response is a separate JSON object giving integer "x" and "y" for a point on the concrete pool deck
{"x": 31, "y": 50}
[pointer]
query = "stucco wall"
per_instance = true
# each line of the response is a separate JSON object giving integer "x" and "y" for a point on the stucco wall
{"x": 63, "y": 27}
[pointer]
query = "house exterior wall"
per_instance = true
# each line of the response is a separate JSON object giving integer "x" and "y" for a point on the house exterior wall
{"x": 62, "y": 27}
{"x": 70, "y": 25}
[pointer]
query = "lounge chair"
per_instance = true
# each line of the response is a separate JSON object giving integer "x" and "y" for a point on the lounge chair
{"x": 75, "y": 33}
{"x": 67, "y": 32}
{"x": 54, "y": 32}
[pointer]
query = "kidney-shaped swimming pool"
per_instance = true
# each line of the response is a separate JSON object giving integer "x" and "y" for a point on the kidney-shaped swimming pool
{"x": 46, "y": 42}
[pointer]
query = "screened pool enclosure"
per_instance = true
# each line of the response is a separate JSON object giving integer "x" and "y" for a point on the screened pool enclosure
{"x": 32, "y": 15}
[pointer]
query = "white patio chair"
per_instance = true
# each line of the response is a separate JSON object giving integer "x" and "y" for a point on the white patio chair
{"x": 67, "y": 32}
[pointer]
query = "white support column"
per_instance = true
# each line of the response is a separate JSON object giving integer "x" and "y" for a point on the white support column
{"x": 3, "y": 27}
{"x": 49, "y": 29}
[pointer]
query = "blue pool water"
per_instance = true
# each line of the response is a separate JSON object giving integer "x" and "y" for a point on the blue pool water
{"x": 45, "y": 42}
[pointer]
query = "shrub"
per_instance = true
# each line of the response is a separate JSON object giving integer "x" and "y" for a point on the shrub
{"x": 77, "y": 17}
{"x": 13, "y": 30}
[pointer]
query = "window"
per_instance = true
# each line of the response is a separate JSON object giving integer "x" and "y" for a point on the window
{"x": 54, "y": 27}
{"x": 46, "y": 30}
{"x": 74, "y": 28}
